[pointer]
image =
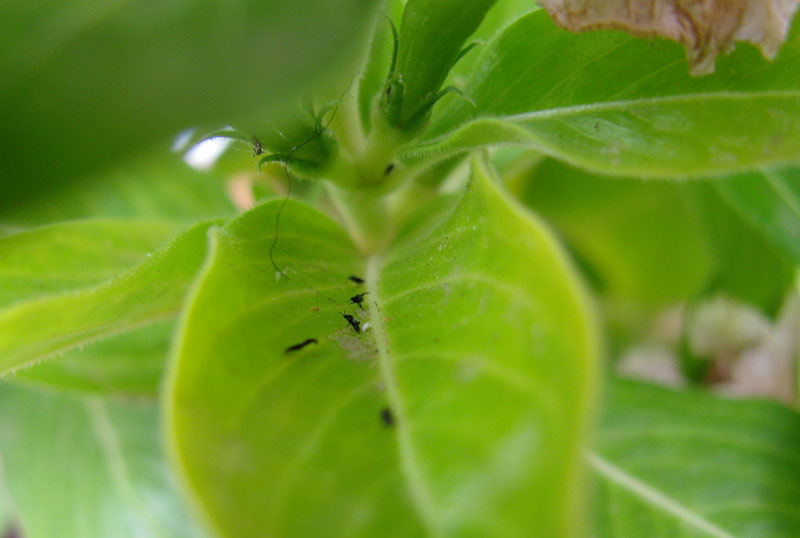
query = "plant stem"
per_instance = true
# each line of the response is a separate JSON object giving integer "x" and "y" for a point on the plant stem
{"x": 365, "y": 215}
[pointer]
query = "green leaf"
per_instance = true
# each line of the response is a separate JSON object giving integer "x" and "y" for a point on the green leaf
{"x": 8, "y": 515}
{"x": 637, "y": 238}
{"x": 502, "y": 14}
{"x": 651, "y": 244}
{"x": 745, "y": 264}
{"x": 38, "y": 328}
{"x": 156, "y": 187}
{"x": 83, "y": 84}
{"x": 674, "y": 464}
{"x": 378, "y": 62}
{"x": 87, "y": 468}
{"x": 770, "y": 202}
{"x": 431, "y": 421}
{"x": 432, "y": 36}
{"x": 587, "y": 99}
{"x": 131, "y": 365}
{"x": 71, "y": 255}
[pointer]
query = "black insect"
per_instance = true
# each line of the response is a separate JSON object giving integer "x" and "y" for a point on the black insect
{"x": 387, "y": 417}
{"x": 301, "y": 345}
{"x": 356, "y": 279}
{"x": 388, "y": 169}
{"x": 358, "y": 299}
{"x": 258, "y": 149}
{"x": 354, "y": 323}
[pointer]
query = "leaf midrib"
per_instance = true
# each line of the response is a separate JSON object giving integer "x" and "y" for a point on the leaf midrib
{"x": 617, "y": 105}
{"x": 652, "y": 496}
{"x": 663, "y": 99}
{"x": 784, "y": 194}
{"x": 417, "y": 485}
{"x": 109, "y": 441}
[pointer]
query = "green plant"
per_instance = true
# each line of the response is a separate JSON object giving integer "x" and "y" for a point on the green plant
{"x": 465, "y": 209}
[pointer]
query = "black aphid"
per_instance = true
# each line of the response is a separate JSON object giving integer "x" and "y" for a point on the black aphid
{"x": 358, "y": 299}
{"x": 356, "y": 279}
{"x": 258, "y": 149}
{"x": 387, "y": 417}
{"x": 354, "y": 323}
{"x": 388, "y": 169}
{"x": 301, "y": 345}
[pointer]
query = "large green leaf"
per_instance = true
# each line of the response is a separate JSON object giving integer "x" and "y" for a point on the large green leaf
{"x": 770, "y": 202}
{"x": 83, "y": 83}
{"x": 87, "y": 468}
{"x": 616, "y": 104}
{"x": 685, "y": 464}
{"x": 151, "y": 292}
{"x": 459, "y": 410}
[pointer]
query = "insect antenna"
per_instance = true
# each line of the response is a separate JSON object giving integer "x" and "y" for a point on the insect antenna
{"x": 286, "y": 160}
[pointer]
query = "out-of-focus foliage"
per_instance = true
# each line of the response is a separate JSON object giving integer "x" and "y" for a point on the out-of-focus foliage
{"x": 84, "y": 83}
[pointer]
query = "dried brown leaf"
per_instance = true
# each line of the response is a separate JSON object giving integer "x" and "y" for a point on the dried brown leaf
{"x": 704, "y": 27}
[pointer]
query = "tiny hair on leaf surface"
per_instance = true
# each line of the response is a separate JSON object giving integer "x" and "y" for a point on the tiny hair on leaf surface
{"x": 128, "y": 365}
{"x": 148, "y": 293}
{"x": 311, "y": 435}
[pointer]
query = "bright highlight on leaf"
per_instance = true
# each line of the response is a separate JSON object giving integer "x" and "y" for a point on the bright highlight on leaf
{"x": 704, "y": 27}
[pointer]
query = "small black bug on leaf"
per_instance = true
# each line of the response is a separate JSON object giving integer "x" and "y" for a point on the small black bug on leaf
{"x": 301, "y": 345}
{"x": 388, "y": 169}
{"x": 258, "y": 149}
{"x": 358, "y": 299}
{"x": 356, "y": 279}
{"x": 387, "y": 417}
{"x": 354, "y": 323}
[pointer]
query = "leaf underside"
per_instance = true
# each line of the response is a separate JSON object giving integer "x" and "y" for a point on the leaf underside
{"x": 432, "y": 421}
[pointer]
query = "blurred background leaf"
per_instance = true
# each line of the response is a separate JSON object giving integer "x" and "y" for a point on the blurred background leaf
{"x": 84, "y": 83}
{"x": 685, "y": 464}
{"x": 156, "y": 186}
{"x": 651, "y": 244}
{"x": 769, "y": 200}
{"x": 88, "y": 468}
